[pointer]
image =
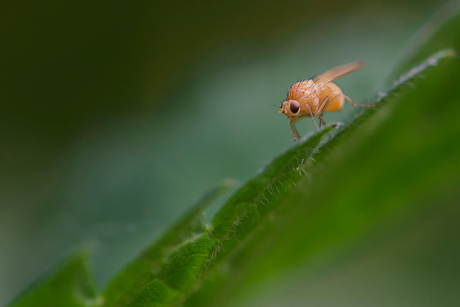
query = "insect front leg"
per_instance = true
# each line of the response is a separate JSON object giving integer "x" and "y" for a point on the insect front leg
{"x": 295, "y": 133}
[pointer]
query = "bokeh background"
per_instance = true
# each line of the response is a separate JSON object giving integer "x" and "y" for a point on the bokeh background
{"x": 115, "y": 117}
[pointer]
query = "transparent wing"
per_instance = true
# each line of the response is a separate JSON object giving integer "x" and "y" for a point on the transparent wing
{"x": 336, "y": 73}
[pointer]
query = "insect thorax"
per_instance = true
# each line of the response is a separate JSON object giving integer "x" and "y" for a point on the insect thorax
{"x": 303, "y": 90}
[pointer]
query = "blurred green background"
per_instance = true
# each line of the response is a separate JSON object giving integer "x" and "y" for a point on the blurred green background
{"x": 115, "y": 117}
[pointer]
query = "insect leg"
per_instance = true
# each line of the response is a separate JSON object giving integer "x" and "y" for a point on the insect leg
{"x": 322, "y": 108}
{"x": 311, "y": 115}
{"x": 357, "y": 104}
{"x": 295, "y": 133}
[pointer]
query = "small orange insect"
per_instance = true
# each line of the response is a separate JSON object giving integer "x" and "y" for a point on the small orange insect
{"x": 316, "y": 96}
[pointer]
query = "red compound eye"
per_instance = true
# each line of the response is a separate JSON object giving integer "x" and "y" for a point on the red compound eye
{"x": 295, "y": 106}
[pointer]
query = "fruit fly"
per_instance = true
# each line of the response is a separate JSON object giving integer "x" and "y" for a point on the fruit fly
{"x": 318, "y": 95}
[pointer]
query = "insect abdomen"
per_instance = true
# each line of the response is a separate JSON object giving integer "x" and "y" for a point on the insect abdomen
{"x": 336, "y": 100}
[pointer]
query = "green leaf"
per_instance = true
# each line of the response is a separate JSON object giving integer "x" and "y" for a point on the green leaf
{"x": 169, "y": 264}
{"x": 374, "y": 174}
{"x": 337, "y": 192}
{"x": 70, "y": 285}
{"x": 254, "y": 201}
{"x": 379, "y": 166}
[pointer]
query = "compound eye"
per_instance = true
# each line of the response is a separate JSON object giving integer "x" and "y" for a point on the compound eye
{"x": 295, "y": 106}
